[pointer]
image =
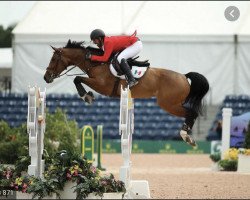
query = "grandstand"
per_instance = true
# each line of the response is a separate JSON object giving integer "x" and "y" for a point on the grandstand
{"x": 151, "y": 122}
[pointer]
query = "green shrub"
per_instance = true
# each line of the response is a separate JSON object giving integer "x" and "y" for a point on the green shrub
{"x": 62, "y": 131}
{"x": 228, "y": 165}
{"x": 15, "y": 141}
{"x": 215, "y": 157}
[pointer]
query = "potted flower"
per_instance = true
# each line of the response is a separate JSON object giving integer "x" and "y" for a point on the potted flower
{"x": 6, "y": 176}
{"x": 77, "y": 178}
{"x": 67, "y": 176}
{"x": 112, "y": 189}
{"x": 230, "y": 161}
{"x": 71, "y": 177}
{"x": 67, "y": 168}
{"x": 30, "y": 187}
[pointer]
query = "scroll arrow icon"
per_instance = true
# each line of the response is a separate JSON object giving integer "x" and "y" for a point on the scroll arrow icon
{"x": 231, "y": 13}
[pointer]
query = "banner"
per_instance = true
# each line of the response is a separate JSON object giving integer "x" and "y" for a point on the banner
{"x": 239, "y": 126}
{"x": 163, "y": 147}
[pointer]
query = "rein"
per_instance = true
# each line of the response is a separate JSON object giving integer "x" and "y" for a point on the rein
{"x": 65, "y": 73}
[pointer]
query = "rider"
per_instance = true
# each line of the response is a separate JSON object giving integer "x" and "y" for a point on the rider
{"x": 129, "y": 46}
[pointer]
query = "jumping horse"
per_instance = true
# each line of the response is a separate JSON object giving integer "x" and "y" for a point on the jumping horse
{"x": 172, "y": 90}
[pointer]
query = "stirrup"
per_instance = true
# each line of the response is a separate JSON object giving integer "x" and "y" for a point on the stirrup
{"x": 132, "y": 83}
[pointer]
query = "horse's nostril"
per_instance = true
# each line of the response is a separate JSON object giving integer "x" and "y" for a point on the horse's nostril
{"x": 46, "y": 79}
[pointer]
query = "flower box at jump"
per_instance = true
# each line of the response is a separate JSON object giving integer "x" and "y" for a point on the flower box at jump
{"x": 68, "y": 175}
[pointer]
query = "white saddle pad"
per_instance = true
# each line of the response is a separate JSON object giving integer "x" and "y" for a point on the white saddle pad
{"x": 137, "y": 72}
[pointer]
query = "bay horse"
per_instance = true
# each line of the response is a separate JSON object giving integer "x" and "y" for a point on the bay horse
{"x": 172, "y": 90}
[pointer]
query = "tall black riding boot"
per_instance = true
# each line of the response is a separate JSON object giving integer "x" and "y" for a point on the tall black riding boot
{"x": 128, "y": 74}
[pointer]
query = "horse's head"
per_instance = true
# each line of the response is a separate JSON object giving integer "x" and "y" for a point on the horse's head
{"x": 58, "y": 63}
{"x": 72, "y": 54}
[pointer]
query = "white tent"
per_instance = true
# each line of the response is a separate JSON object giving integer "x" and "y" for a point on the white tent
{"x": 6, "y": 57}
{"x": 181, "y": 36}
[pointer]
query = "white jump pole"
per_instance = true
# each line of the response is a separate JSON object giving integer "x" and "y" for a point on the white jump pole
{"x": 226, "y": 126}
{"x": 136, "y": 189}
{"x": 36, "y": 129}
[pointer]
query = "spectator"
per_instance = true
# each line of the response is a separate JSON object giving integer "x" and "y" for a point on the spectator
{"x": 218, "y": 129}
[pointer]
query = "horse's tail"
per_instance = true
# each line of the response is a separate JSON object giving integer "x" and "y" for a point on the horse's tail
{"x": 198, "y": 89}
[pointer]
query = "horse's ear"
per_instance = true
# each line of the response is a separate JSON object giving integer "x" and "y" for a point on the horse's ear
{"x": 55, "y": 49}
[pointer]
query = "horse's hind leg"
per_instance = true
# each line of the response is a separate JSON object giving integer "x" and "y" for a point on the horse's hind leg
{"x": 190, "y": 117}
{"x": 181, "y": 111}
{"x": 186, "y": 130}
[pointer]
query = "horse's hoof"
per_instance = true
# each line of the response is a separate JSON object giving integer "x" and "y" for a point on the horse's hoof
{"x": 91, "y": 94}
{"x": 187, "y": 138}
{"x": 88, "y": 97}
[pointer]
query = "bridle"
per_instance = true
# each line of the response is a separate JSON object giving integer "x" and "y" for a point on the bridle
{"x": 59, "y": 53}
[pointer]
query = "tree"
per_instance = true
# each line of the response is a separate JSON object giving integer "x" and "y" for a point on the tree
{"x": 6, "y": 36}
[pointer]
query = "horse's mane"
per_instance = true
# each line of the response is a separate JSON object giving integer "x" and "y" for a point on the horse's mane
{"x": 75, "y": 45}
{"x": 95, "y": 51}
{"x": 79, "y": 45}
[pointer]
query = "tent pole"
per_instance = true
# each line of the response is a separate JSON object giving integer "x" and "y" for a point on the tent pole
{"x": 235, "y": 78}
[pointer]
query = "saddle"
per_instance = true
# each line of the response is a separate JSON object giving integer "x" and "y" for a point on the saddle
{"x": 131, "y": 62}
{"x": 138, "y": 67}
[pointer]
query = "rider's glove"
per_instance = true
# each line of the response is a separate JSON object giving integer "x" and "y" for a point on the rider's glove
{"x": 88, "y": 55}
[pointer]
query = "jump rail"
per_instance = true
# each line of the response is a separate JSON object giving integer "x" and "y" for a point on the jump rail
{"x": 136, "y": 189}
{"x": 36, "y": 128}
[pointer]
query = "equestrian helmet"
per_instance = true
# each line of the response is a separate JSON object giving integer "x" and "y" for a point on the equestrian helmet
{"x": 96, "y": 34}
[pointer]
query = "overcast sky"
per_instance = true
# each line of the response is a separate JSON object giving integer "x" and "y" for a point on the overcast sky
{"x": 13, "y": 11}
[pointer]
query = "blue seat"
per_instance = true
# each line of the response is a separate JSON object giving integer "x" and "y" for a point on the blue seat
{"x": 239, "y": 105}
{"x": 228, "y": 104}
{"x": 231, "y": 98}
{"x": 244, "y": 98}
{"x": 146, "y": 134}
{"x": 113, "y": 104}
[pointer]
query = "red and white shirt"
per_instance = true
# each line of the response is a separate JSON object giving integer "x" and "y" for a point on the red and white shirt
{"x": 114, "y": 44}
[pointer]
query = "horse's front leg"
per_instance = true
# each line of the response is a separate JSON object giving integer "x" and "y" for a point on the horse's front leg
{"x": 86, "y": 96}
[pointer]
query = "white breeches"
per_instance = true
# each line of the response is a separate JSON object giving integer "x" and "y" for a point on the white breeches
{"x": 130, "y": 51}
